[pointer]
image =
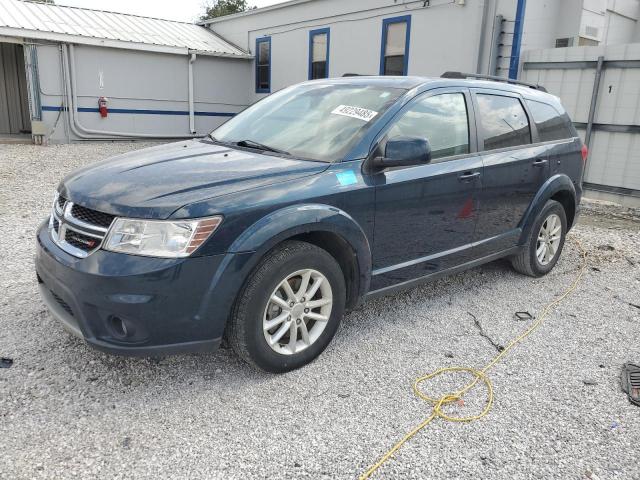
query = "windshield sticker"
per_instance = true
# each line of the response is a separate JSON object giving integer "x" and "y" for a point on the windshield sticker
{"x": 355, "y": 112}
{"x": 347, "y": 178}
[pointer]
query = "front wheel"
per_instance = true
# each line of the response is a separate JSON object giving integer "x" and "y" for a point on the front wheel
{"x": 545, "y": 242}
{"x": 289, "y": 309}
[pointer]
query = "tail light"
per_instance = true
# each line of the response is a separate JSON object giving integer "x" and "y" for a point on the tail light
{"x": 585, "y": 153}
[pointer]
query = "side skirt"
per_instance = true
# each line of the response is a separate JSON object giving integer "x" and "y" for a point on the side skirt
{"x": 443, "y": 273}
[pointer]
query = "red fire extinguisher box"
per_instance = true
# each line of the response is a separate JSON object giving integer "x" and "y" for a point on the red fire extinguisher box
{"x": 102, "y": 107}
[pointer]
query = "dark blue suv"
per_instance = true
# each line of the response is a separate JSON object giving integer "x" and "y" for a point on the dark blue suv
{"x": 311, "y": 200}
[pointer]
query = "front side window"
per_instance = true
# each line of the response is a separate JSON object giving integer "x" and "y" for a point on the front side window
{"x": 551, "y": 125}
{"x": 441, "y": 119}
{"x": 263, "y": 65}
{"x": 396, "y": 33}
{"x": 319, "y": 54}
{"x": 315, "y": 121}
{"x": 504, "y": 122}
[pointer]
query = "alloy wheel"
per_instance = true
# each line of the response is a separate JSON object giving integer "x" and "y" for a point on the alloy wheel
{"x": 297, "y": 312}
{"x": 549, "y": 239}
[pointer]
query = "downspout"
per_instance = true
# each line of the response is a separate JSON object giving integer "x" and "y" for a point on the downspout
{"x": 69, "y": 97}
{"x": 192, "y": 110}
{"x": 33, "y": 88}
{"x": 514, "y": 64}
{"x": 483, "y": 34}
{"x": 86, "y": 133}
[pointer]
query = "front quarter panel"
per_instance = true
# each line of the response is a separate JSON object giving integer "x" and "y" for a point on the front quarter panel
{"x": 340, "y": 200}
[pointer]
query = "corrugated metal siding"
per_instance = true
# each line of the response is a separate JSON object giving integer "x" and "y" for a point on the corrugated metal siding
{"x": 14, "y": 108}
{"x": 96, "y": 24}
{"x": 614, "y": 158}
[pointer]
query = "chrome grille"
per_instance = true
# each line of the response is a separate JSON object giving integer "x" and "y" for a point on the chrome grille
{"x": 78, "y": 230}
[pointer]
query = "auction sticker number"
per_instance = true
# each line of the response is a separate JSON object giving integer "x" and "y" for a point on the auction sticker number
{"x": 355, "y": 112}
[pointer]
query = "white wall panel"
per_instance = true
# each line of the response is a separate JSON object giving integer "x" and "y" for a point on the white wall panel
{"x": 137, "y": 81}
{"x": 614, "y": 158}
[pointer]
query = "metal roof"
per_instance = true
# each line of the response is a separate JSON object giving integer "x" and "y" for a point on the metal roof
{"x": 42, "y": 21}
{"x": 255, "y": 11}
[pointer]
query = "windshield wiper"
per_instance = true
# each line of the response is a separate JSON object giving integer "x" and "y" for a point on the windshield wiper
{"x": 259, "y": 146}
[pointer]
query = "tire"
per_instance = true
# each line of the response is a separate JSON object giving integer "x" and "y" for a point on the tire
{"x": 290, "y": 262}
{"x": 527, "y": 262}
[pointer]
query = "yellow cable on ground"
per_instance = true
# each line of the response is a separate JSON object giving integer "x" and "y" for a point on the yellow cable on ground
{"x": 480, "y": 375}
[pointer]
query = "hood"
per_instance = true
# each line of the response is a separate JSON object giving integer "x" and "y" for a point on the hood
{"x": 156, "y": 181}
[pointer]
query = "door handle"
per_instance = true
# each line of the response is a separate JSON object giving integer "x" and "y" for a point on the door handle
{"x": 469, "y": 176}
{"x": 541, "y": 162}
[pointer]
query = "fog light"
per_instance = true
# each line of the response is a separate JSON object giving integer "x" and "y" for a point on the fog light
{"x": 119, "y": 327}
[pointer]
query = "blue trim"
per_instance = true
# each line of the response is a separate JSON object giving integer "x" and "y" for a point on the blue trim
{"x": 141, "y": 111}
{"x": 517, "y": 40}
{"x": 313, "y": 33}
{"x": 385, "y": 26}
{"x": 258, "y": 42}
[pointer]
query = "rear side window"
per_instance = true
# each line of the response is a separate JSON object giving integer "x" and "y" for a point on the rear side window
{"x": 441, "y": 119}
{"x": 504, "y": 122}
{"x": 551, "y": 125}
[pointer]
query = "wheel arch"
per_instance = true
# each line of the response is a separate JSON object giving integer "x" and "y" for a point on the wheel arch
{"x": 560, "y": 188}
{"x": 568, "y": 202}
{"x": 325, "y": 226}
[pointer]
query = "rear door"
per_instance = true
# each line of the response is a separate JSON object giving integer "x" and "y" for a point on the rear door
{"x": 514, "y": 168}
{"x": 426, "y": 214}
{"x": 560, "y": 138}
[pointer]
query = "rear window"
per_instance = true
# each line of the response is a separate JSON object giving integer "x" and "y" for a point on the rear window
{"x": 551, "y": 125}
{"x": 504, "y": 122}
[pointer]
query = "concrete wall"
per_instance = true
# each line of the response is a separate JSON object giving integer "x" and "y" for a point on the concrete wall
{"x": 540, "y": 25}
{"x": 136, "y": 81}
{"x": 621, "y": 21}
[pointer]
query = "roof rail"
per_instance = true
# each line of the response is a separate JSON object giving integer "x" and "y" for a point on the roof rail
{"x": 461, "y": 75}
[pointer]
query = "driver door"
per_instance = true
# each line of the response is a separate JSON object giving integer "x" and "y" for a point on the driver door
{"x": 426, "y": 214}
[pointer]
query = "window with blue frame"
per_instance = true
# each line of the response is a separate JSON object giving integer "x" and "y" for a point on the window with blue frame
{"x": 263, "y": 65}
{"x": 394, "y": 54}
{"x": 319, "y": 53}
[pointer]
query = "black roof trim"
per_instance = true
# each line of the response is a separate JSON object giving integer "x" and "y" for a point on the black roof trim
{"x": 462, "y": 76}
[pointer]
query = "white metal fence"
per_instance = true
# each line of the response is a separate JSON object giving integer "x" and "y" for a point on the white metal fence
{"x": 600, "y": 88}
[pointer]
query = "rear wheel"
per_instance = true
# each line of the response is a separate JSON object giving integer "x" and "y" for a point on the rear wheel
{"x": 545, "y": 243}
{"x": 289, "y": 309}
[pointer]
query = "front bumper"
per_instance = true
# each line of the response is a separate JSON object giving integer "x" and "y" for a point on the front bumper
{"x": 132, "y": 305}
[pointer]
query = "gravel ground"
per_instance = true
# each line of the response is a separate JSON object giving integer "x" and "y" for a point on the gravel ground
{"x": 67, "y": 411}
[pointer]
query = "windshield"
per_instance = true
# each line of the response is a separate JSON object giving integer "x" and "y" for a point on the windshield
{"x": 311, "y": 121}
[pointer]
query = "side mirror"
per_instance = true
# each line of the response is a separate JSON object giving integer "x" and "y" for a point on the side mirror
{"x": 403, "y": 152}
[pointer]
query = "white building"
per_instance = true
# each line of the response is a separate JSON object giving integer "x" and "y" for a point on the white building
{"x": 163, "y": 78}
{"x": 415, "y": 37}
{"x": 159, "y": 78}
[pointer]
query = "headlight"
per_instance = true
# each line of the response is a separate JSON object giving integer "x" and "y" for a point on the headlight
{"x": 160, "y": 238}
